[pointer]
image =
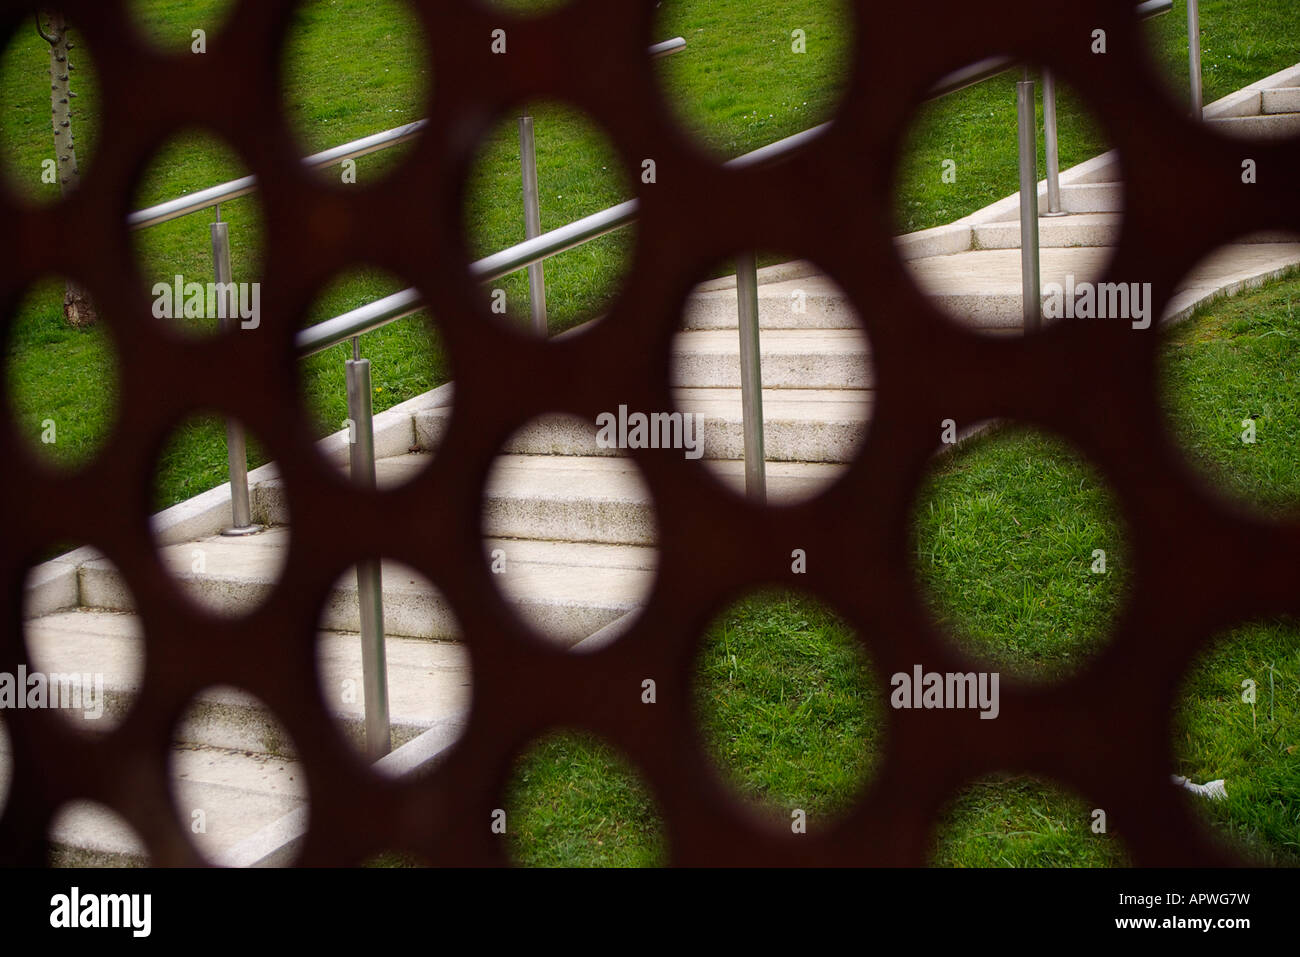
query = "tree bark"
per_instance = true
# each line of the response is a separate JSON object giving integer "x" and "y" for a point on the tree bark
{"x": 77, "y": 308}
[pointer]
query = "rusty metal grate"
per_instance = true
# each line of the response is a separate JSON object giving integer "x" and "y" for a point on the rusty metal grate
{"x": 1106, "y": 733}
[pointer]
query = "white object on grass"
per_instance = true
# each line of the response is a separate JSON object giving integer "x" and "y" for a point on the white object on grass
{"x": 1214, "y": 790}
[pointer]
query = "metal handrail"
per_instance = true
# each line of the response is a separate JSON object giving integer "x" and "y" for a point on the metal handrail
{"x": 235, "y": 188}
{"x": 373, "y": 315}
{"x": 225, "y": 192}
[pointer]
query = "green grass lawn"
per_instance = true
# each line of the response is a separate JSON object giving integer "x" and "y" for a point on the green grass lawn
{"x": 779, "y": 678}
{"x": 1006, "y": 537}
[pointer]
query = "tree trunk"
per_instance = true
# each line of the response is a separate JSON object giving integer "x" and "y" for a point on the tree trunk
{"x": 77, "y": 308}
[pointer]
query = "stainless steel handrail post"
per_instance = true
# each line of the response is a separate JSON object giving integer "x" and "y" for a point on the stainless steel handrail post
{"x": 1194, "y": 57}
{"x": 1052, "y": 154}
{"x": 241, "y": 512}
{"x": 1029, "y": 258}
{"x": 370, "y": 587}
{"x": 751, "y": 377}
{"x": 532, "y": 222}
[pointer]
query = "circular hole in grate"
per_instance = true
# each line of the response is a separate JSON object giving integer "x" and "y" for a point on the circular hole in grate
{"x": 223, "y": 565}
{"x": 790, "y": 709}
{"x": 352, "y": 69}
{"x": 39, "y": 167}
{"x": 578, "y": 173}
{"x": 234, "y": 772}
{"x": 177, "y": 257}
{"x": 569, "y": 531}
{"x": 427, "y": 668}
{"x": 88, "y": 834}
{"x": 1237, "y": 739}
{"x": 1021, "y": 553}
{"x": 957, "y": 211}
{"x": 816, "y": 373}
{"x": 180, "y": 27}
{"x": 1005, "y": 820}
{"x": 750, "y": 75}
{"x": 407, "y": 366}
{"x": 61, "y": 374}
{"x": 574, "y": 801}
{"x": 85, "y": 644}
{"x": 1228, "y": 372}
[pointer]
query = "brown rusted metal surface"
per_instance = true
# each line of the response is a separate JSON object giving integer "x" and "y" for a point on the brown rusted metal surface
{"x": 1106, "y": 733}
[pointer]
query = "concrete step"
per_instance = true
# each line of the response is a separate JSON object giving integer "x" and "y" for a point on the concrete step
{"x": 1080, "y": 229}
{"x": 429, "y": 681}
{"x": 792, "y": 359}
{"x": 787, "y": 482}
{"x": 799, "y": 425}
{"x": 239, "y": 793}
{"x": 1076, "y": 199}
{"x": 1284, "y": 99}
{"x": 568, "y": 499}
{"x": 982, "y": 289}
{"x": 562, "y": 586}
{"x": 602, "y": 499}
{"x": 779, "y": 303}
{"x": 1093, "y": 198}
{"x": 87, "y": 834}
{"x": 1276, "y": 126}
{"x": 570, "y": 590}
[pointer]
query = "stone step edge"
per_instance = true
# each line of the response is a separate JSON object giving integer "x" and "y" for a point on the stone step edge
{"x": 247, "y": 724}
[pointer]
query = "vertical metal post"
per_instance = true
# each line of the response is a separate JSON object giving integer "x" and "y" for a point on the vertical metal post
{"x": 370, "y": 588}
{"x": 1194, "y": 57}
{"x": 1050, "y": 146}
{"x": 1029, "y": 261}
{"x": 241, "y": 512}
{"x": 751, "y": 377}
{"x": 532, "y": 222}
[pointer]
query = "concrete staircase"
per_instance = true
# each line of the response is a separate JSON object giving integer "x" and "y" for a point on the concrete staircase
{"x": 574, "y": 520}
{"x": 972, "y": 267}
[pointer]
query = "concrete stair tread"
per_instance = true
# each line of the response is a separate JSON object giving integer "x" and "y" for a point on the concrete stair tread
{"x": 1280, "y": 100}
{"x": 996, "y": 272}
{"x": 239, "y": 793}
{"x": 983, "y": 288}
{"x": 89, "y": 835}
{"x": 576, "y": 555}
{"x": 786, "y": 481}
{"x": 1075, "y": 229}
{"x": 792, "y": 359}
{"x": 557, "y": 474}
{"x": 824, "y": 304}
{"x": 800, "y": 341}
{"x": 1076, "y": 198}
{"x": 1264, "y": 127}
{"x": 801, "y": 425}
{"x": 803, "y": 405}
{"x": 428, "y": 680}
{"x": 598, "y": 478}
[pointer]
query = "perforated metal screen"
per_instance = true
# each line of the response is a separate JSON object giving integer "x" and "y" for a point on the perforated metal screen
{"x": 1105, "y": 733}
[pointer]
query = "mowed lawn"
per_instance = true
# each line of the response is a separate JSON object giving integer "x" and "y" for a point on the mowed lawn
{"x": 790, "y": 707}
